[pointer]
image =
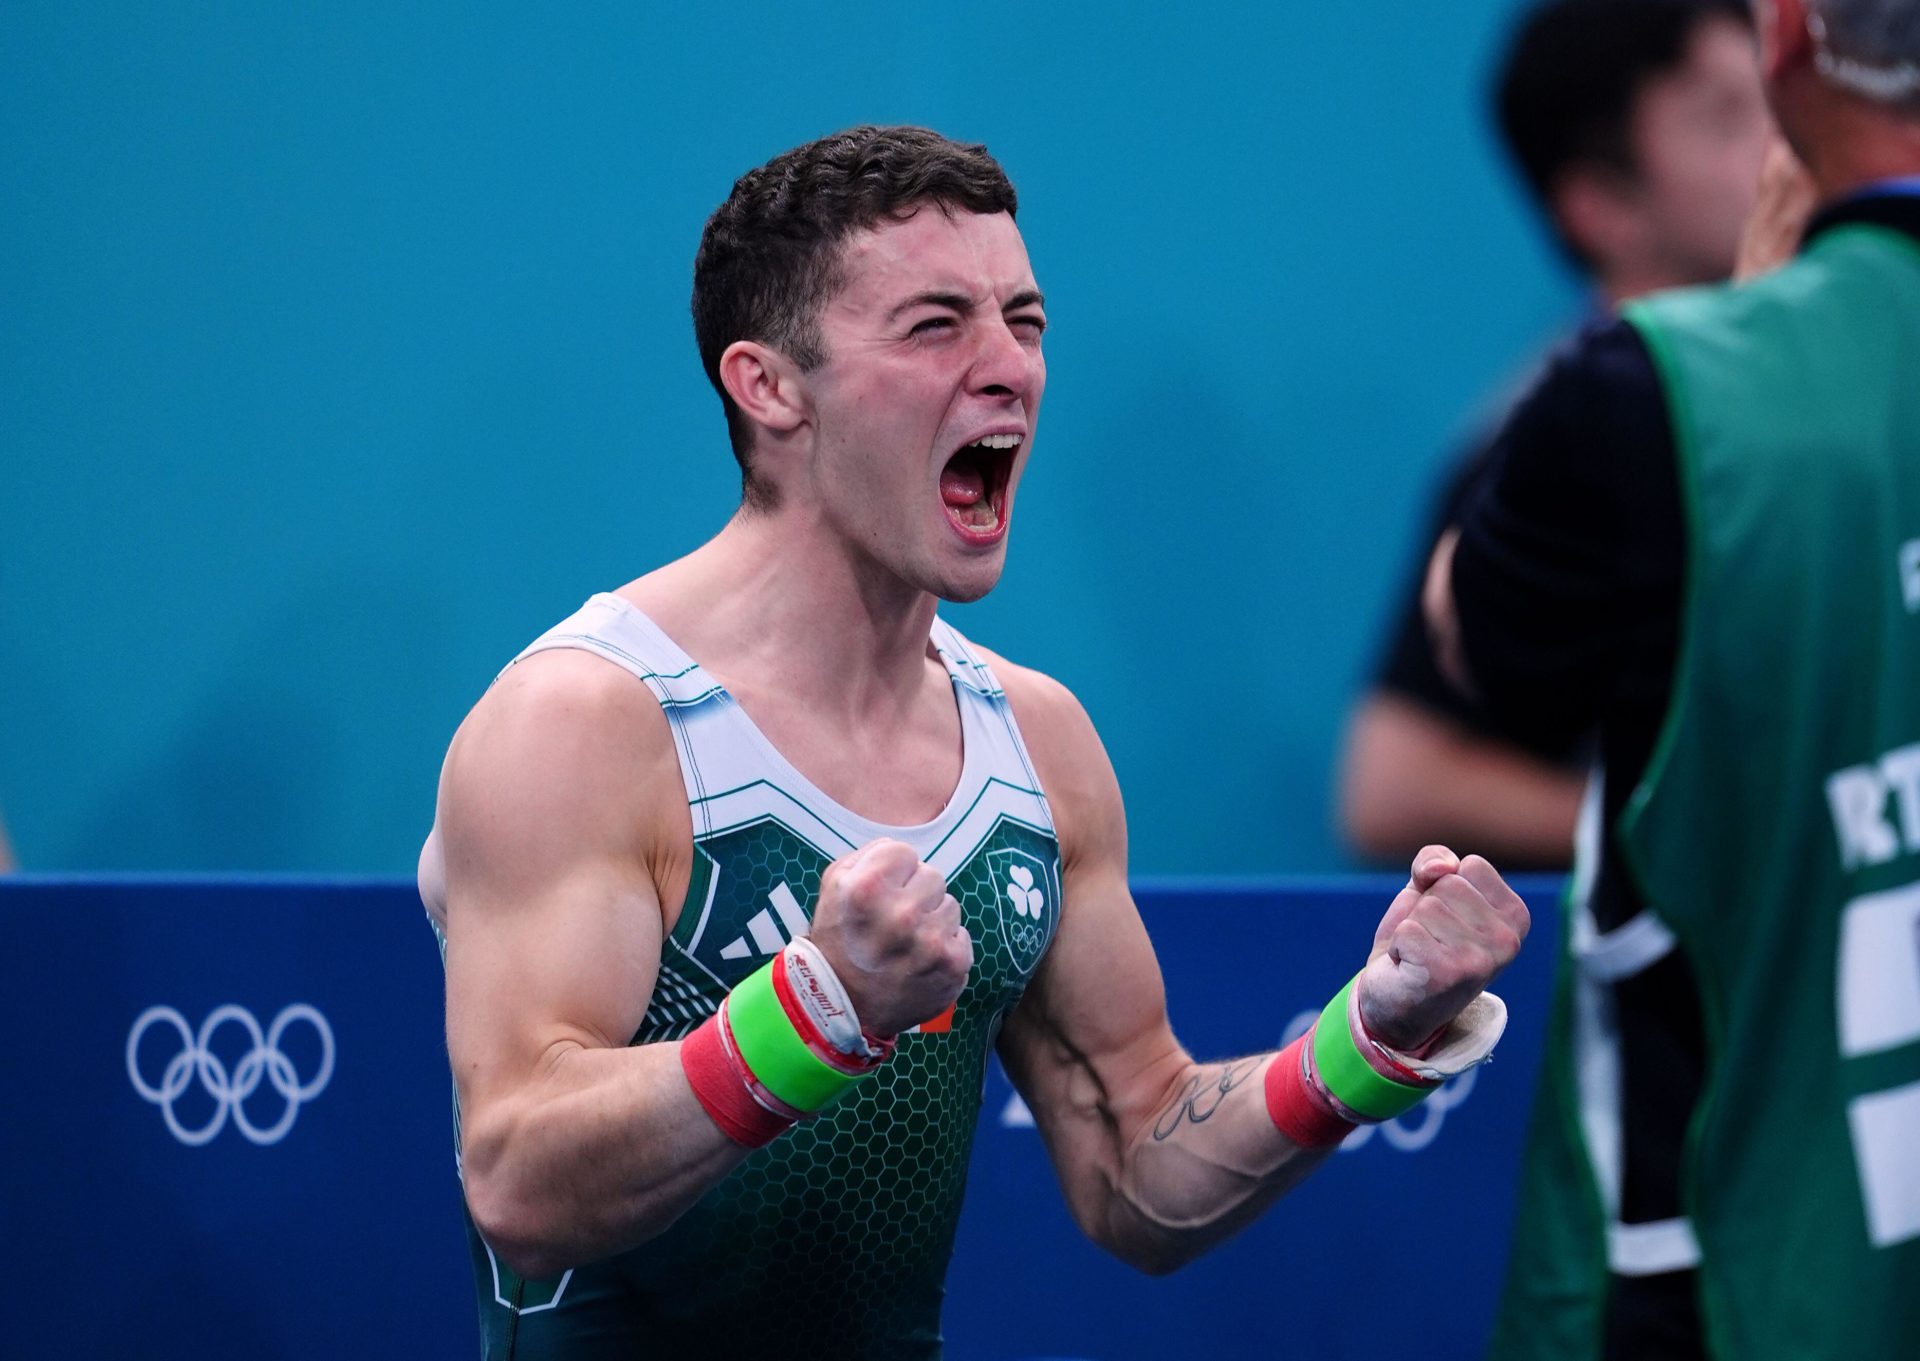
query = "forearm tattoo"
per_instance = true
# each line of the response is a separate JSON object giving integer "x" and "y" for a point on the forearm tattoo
{"x": 1202, "y": 1096}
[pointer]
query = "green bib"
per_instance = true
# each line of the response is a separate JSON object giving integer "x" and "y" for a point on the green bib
{"x": 1776, "y": 831}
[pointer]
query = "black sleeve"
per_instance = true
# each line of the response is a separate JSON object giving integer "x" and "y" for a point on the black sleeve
{"x": 1407, "y": 667}
{"x": 1569, "y": 568}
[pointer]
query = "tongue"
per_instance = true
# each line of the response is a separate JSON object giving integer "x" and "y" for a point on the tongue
{"x": 962, "y": 484}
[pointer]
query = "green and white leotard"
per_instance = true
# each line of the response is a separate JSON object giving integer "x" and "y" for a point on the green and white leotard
{"x": 841, "y": 1229}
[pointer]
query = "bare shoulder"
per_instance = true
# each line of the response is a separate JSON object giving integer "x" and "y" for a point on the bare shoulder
{"x": 1069, "y": 758}
{"x": 566, "y": 756}
{"x": 561, "y": 713}
{"x": 555, "y": 840}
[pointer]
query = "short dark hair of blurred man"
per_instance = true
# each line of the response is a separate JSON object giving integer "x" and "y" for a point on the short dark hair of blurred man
{"x": 1702, "y": 537}
{"x": 1638, "y": 126}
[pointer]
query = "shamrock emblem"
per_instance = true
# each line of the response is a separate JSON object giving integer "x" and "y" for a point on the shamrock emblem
{"x": 1027, "y": 900}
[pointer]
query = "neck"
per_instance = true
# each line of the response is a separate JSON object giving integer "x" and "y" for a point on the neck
{"x": 780, "y": 599}
{"x": 1626, "y": 278}
{"x": 1848, "y": 170}
{"x": 1848, "y": 143}
{"x": 1624, "y": 285}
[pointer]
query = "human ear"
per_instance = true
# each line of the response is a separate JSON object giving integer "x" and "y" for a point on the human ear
{"x": 1785, "y": 40}
{"x": 1595, "y": 210}
{"x": 765, "y": 385}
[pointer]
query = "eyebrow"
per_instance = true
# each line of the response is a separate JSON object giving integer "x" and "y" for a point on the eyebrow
{"x": 960, "y": 302}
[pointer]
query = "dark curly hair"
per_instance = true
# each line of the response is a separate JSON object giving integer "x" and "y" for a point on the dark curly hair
{"x": 1566, "y": 88}
{"x": 769, "y": 257}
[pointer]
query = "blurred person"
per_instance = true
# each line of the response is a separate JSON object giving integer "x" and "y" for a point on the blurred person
{"x": 1638, "y": 127}
{"x": 742, "y": 869}
{"x": 1702, "y": 536}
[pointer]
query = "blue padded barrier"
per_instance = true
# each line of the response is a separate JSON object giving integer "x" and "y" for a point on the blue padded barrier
{"x": 318, "y": 1215}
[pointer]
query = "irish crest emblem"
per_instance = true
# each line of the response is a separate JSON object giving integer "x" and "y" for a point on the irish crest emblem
{"x": 1028, "y": 898}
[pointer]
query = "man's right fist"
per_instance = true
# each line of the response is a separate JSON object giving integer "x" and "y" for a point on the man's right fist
{"x": 892, "y": 932}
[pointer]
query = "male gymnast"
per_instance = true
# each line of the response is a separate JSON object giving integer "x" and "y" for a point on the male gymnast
{"x": 741, "y": 870}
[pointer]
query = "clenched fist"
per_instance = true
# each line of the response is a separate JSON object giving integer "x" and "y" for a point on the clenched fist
{"x": 892, "y": 933}
{"x": 1451, "y": 929}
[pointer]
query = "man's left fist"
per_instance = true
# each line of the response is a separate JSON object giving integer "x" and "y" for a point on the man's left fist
{"x": 1451, "y": 929}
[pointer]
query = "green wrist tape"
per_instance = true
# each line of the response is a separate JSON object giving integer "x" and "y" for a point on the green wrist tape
{"x": 1345, "y": 1072}
{"x": 775, "y": 1054}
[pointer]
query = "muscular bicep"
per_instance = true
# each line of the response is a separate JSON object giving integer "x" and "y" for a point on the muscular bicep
{"x": 552, "y": 916}
{"x": 1160, "y": 1157}
{"x": 1089, "y": 1047}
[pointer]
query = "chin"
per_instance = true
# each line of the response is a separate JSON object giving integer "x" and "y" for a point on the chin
{"x": 966, "y": 586}
{"x": 965, "y": 595}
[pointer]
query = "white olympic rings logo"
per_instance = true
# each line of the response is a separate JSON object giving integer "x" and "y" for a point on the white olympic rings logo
{"x": 1418, "y": 1127}
{"x": 230, "y": 1091}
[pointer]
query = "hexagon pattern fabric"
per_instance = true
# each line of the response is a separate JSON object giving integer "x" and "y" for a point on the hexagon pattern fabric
{"x": 846, "y": 1222}
{"x": 841, "y": 1229}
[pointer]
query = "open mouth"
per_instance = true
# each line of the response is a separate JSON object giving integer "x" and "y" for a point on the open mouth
{"x": 973, "y": 487}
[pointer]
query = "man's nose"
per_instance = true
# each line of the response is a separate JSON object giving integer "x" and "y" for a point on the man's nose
{"x": 1004, "y": 367}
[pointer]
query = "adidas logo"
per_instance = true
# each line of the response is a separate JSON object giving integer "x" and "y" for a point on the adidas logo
{"x": 763, "y": 937}
{"x": 768, "y": 932}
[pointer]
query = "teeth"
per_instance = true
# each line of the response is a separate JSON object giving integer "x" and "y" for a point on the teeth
{"x": 996, "y": 442}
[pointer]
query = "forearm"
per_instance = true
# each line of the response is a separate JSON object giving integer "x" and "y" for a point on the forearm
{"x": 1208, "y": 1163}
{"x": 1229, "y": 1138}
{"x": 607, "y": 1145}
{"x": 603, "y": 1150}
{"x": 1413, "y": 776}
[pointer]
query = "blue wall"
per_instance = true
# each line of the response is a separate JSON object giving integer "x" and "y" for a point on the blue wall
{"x": 345, "y": 348}
{"x": 248, "y": 1207}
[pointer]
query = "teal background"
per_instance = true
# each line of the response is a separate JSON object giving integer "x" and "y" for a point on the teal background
{"x": 343, "y": 348}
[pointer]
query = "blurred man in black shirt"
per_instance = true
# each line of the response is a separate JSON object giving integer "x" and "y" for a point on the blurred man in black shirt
{"x": 1638, "y": 126}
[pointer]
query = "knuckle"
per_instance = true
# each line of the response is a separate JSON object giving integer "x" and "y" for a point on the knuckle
{"x": 859, "y": 880}
{"x": 1480, "y": 872}
{"x": 876, "y": 857}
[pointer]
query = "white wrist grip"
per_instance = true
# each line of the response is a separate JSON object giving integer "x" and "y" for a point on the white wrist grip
{"x": 1468, "y": 1040}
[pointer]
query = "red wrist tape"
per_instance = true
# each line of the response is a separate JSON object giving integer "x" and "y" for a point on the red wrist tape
{"x": 1388, "y": 1066}
{"x": 720, "y": 1084}
{"x": 1300, "y": 1110}
{"x": 809, "y": 1032}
